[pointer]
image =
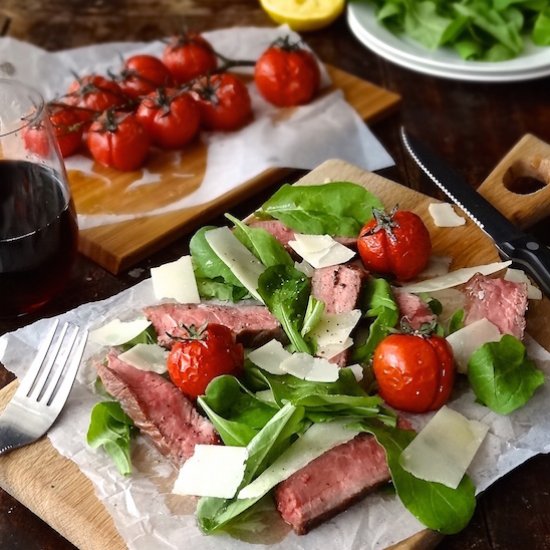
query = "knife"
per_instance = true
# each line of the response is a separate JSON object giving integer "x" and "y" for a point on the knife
{"x": 522, "y": 249}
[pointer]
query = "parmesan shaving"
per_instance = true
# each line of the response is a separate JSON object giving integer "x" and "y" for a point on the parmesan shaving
{"x": 443, "y": 450}
{"x": 444, "y": 215}
{"x": 454, "y": 278}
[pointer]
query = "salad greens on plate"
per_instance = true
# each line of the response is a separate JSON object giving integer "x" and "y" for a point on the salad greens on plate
{"x": 483, "y": 30}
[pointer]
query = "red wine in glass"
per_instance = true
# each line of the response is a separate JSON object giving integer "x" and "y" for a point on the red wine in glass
{"x": 38, "y": 228}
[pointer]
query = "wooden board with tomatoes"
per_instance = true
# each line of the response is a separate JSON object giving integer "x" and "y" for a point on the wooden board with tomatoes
{"x": 69, "y": 504}
{"x": 141, "y": 125}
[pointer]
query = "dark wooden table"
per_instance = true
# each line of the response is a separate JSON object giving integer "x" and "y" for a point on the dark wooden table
{"x": 471, "y": 124}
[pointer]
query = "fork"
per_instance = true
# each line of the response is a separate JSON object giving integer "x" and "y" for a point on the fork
{"x": 43, "y": 391}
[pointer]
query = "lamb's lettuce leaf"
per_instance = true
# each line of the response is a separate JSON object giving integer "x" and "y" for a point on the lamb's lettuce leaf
{"x": 111, "y": 428}
{"x": 502, "y": 376}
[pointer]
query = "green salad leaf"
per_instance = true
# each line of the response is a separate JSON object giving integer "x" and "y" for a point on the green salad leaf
{"x": 502, "y": 376}
{"x": 484, "y": 30}
{"x": 235, "y": 412}
{"x": 324, "y": 401}
{"x": 285, "y": 291}
{"x": 261, "y": 243}
{"x": 438, "y": 507}
{"x": 111, "y": 428}
{"x": 383, "y": 309}
{"x": 214, "y": 278}
{"x": 213, "y": 514}
{"x": 337, "y": 209}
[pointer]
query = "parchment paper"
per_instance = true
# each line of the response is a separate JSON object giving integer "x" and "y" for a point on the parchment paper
{"x": 143, "y": 510}
{"x": 300, "y": 138}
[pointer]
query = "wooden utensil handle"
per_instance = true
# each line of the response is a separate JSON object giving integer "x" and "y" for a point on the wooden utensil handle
{"x": 519, "y": 186}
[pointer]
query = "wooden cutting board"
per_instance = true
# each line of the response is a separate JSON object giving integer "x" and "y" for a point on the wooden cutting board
{"x": 118, "y": 246}
{"x": 64, "y": 498}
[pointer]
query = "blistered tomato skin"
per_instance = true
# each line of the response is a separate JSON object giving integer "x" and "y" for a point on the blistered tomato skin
{"x": 414, "y": 373}
{"x": 396, "y": 244}
{"x": 194, "y": 362}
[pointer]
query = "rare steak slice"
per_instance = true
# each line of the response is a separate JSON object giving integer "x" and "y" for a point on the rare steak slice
{"x": 338, "y": 286}
{"x": 284, "y": 234}
{"x": 413, "y": 309}
{"x": 253, "y": 325}
{"x": 331, "y": 483}
{"x": 158, "y": 409}
{"x": 502, "y": 302}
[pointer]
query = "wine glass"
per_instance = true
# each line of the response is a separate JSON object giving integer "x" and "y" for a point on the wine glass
{"x": 38, "y": 228}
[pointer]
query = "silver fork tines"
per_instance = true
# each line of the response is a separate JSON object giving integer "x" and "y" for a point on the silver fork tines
{"x": 44, "y": 389}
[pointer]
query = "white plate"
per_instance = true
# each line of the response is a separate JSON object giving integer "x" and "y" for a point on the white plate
{"x": 534, "y": 62}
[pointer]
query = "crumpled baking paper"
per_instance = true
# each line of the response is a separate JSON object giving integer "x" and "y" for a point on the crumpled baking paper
{"x": 299, "y": 138}
{"x": 147, "y": 516}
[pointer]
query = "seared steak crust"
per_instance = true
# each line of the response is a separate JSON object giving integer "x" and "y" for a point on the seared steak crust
{"x": 253, "y": 325}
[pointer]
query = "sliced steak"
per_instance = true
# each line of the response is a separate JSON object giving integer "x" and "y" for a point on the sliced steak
{"x": 284, "y": 234}
{"x": 502, "y": 302}
{"x": 157, "y": 408}
{"x": 331, "y": 483}
{"x": 413, "y": 309}
{"x": 338, "y": 286}
{"x": 253, "y": 325}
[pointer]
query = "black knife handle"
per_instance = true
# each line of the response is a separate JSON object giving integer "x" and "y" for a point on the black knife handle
{"x": 532, "y": 256}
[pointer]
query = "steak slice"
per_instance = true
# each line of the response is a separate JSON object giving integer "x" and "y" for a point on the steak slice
{"x": 502, "y": 302}
{"x": 158, "y": 409}
{"x": 338, "y": 286}
{"x": 413, "y": 309}
{"x": 331, "y": 483}
{"x": 284, "y": 234}
{"x": 253, "y": 325}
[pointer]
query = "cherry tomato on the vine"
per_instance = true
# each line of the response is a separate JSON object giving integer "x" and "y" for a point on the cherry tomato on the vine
{"x": 95, "y": 93}
{"x": 189, "y": 56}
{"x": 224, "y": 101}
{"x": 67, "y": 125}
{"x": 209, "y": 352}
{"x": 287, "y": 74}
{"x": 118, "y": 140}
{"x": 143, "y": 74}
{"x": 397, "y": 244}
{"x": 171, "y": 117}
{"x": 414, "y": 373}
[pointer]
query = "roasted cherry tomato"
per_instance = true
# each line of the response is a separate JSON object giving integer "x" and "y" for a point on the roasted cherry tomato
{"x": 67, "y": 125}
{"x": 287, "y": 74}
{"x": 414, "y": 373}
{"x": 95, "y": 93}
{"x": 224, "y": 102}
{"x": 209, "y": 352}
{"x": 171, "y": 118}
{"x": 396, "y": 244}
{"x": 118, "y": 140}
{"x": 189, "y": 56}
{"x": 143, "y": 74}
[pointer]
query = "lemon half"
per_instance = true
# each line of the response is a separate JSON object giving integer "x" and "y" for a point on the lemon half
{"x": 303, "y": 15}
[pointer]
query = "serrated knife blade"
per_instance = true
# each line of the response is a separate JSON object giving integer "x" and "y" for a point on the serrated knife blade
{"x": 513, "y": 244}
